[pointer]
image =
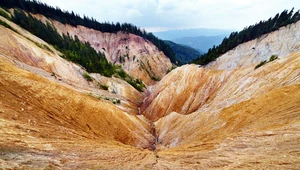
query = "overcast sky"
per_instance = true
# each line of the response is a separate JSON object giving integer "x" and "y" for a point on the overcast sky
{"x": 159, "y": 15}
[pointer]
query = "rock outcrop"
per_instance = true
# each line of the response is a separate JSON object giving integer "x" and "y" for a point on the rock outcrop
{"x": 138, "y": 56}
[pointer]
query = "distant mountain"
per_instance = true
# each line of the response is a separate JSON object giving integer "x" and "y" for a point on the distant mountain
{"x": 201, "y": 38}
{"x": 175, "y": 34}
{"x": 202, "y": 43}
{"x": 184, "y": 53}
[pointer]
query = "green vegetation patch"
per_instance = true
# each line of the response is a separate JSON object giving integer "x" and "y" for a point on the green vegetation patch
{"x": 103, "y": 87}
{"x": 4, "y": 14}
{"x": 272, "y": 58}
{"x": 102, "y": 97}
{"x": 136, "y": 83}
{"x": 5, "y": 25}
{"x": 170, "y": 69}
{"x": 87, "y": 77}
{"x": 260, "y": 64}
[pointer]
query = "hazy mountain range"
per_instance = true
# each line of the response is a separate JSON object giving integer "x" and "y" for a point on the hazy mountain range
{"x": 200, "y": 43}
{"x": 201, "y": 38}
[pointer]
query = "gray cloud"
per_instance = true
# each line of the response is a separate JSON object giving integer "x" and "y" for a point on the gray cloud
{"x": 176, "y": 14}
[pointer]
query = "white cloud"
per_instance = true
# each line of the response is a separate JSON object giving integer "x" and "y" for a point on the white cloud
{"x": 177, "y": 14}
{"x": 133, "y": 13}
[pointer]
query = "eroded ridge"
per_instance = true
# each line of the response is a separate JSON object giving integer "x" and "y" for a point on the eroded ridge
{"x": 194, "y": 118}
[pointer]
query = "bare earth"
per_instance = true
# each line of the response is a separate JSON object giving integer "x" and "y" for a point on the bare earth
{"x": 227, "y": 115}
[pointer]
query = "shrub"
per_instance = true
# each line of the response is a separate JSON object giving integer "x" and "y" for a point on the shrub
{"x": 87, "y": 77}
{"x": 116, "y": 101}
{"x": 7, "y": 26}
{"x": 4, "y": 14}
{"x": 155, "y": 78}
{"x": 273, "y": 57}
{"x": 136, "y": 83}
{"x": 54, "y": 75}
{"x": 170, "y": 69}
{"x": 260, "y": 64}
{"x": 113, "y": 100}
{"x": 103, "y": 87}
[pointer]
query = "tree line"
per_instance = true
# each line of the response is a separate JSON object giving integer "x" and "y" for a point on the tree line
{"x": 184, "y": 54}
{"x": 73, "y": 49}
{"x": 73, "y": 19}
{"x": 249, "y": 33}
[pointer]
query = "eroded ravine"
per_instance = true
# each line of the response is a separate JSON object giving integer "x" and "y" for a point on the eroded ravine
{"x": 194, "y": 117}
{"x": 208, "y": 91}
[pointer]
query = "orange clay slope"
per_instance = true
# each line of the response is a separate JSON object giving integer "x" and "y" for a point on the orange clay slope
{"x": 261, "y": 133}
{"x": 43, "y": 123}
{"x": 227, "y": 115}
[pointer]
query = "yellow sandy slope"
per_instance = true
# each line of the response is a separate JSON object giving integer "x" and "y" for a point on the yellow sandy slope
{"x": 199, "y": 118}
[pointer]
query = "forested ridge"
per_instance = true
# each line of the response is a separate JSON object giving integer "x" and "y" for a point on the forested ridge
{"x": 72, "y": 48}
{"x": 249, "y": 33}
{"x": 184, "y": 53}
{"x": 73, "y": 19}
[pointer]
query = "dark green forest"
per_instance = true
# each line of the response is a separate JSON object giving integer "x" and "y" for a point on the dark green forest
{"x": 73, "y": 19}
{"x": 184, "y": 53}
{"x": 249, "y": 33}
{"x": 73, "y": 49}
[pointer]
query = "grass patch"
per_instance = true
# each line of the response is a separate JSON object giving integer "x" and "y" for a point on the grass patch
{"x": 42, "y": 46}
{"x": 260, "y": 64}
{"x": 4, "y": 14}
{"x": 87, "y": 77}
{"x": 103, "y": 87}
{"x": 45, "y": 47}
{"x": 170, "y": 69}
{"x": 7, "y": 26}
{"x": 102, "y": 97}
{"x": 155, "y": 78}
{"x": 53, "y": 75}
{"x": 272, "y": 58}
{"x": 136, "y": 83}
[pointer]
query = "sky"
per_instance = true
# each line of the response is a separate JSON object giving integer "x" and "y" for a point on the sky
{"x": 162, "y": 15}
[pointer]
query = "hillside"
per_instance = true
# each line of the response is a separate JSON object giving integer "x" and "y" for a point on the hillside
{"x": 184, "y": 53}
{"x": 136, "y": 55}
{"x": 229, "y": 114}
{"x": 70, "y": 18}
{"x": 249, "y": 33}
{"x": 127, "y": 50}
{"x": 279, "y": 43}
{"x": 202, "y": 43}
